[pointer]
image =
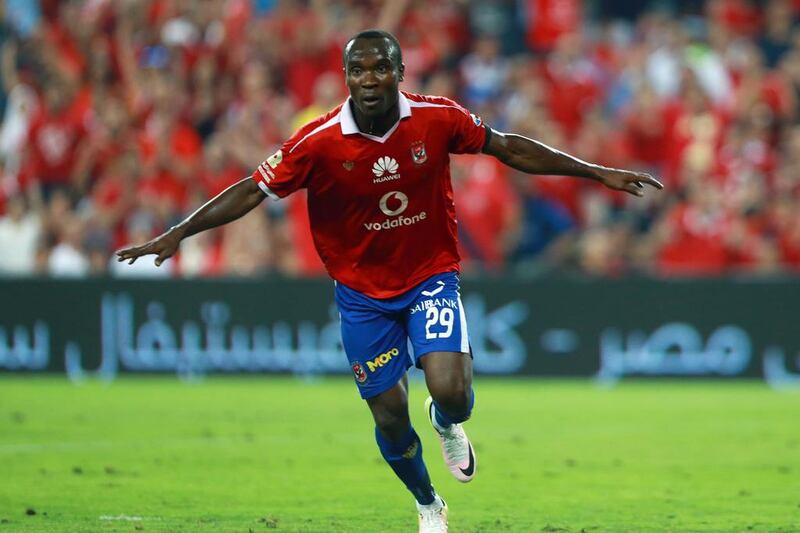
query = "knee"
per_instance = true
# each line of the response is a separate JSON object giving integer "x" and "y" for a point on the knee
{"x": 393, "y": 423}
{"x": 454, "y": 398}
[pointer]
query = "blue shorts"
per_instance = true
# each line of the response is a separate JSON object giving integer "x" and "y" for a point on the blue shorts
{"x": 376, "y": 333}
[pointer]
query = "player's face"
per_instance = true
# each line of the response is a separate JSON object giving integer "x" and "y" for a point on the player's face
{"x": 372, "y": 77}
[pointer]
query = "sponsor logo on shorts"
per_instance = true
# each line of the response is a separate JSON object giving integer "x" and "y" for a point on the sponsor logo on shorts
{"x": 452, "y": 303}
{"x": 439, "y": 288}
{"x": 359, "y": 373}
{"x": 382, "y": 359}
{"x": 393, "y": 204}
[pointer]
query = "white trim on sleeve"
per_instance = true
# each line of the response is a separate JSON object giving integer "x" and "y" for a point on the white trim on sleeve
{"x": 266, "y": 190}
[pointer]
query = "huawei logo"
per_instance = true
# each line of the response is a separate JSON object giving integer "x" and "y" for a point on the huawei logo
{"x": 384, "y": 165}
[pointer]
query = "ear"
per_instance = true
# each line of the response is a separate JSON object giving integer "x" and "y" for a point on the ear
{"x": 401, "y": 70}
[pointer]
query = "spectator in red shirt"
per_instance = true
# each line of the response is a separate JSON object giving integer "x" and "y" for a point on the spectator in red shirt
{"x": 54, "y": 136}
{"x": 574, "y": 83}
{"x": 114, "y": 195}
{"x": 741, "y": 17}
{"x": 694, "y": 234}
{"x": 696, "y": 129}
{"x": 646, "y": 128}
{"x": 170, "y": 149}
{"x": 549, "y": 20}
{"x": 108, "y": 135}
{"x": 784, "y": 224}
{"x": 218, "y": 171}
{"x": 488, "y": 211}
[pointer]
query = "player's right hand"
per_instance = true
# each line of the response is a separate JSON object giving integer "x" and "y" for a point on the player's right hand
{"x": 164, "y": 246}
{"x": 625, "y": 180}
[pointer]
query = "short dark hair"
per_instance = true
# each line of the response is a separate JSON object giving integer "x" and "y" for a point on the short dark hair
{"x": 395, "y": 54}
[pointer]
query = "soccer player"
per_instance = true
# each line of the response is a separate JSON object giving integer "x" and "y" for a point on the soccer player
{"x": 380, "y": 204}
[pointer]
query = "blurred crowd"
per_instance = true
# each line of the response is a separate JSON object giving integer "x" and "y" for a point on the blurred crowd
{"x": 120, "y": 117}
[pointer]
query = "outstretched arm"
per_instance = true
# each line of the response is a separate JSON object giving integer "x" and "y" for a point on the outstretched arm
{"x": 225, "y": 207}
{"x": 534, "y": 157}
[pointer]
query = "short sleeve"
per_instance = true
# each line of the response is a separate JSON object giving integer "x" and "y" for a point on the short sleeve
{"x": 469, "y": 132}
{"x": 285, "y": 171}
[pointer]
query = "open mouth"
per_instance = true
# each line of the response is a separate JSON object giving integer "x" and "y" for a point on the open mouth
{"x": 371, "y": 101}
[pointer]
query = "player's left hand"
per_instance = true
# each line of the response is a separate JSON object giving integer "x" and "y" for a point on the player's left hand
{"x": 625, "y": 180}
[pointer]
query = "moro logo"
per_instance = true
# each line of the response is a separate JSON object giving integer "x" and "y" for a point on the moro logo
{"x": 385, "y": 169}
{"x": 396, "y": 196}
{"x": 382, "y": 359}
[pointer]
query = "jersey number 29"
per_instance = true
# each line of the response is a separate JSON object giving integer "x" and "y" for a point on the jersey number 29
{"x": 443, "y": 317}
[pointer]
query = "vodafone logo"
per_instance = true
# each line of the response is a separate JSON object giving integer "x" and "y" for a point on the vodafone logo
{"x": 385, "y": 165}
{"x": 395, "y": 198}
{"x": 393, "y": 204}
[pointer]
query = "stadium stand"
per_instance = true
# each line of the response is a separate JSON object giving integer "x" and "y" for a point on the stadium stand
{"x": 119, "y": 117}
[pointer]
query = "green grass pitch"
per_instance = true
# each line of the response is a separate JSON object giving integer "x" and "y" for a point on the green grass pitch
{"x": 256, "y": 454}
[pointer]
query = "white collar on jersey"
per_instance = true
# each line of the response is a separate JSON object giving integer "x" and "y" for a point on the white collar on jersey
{"x": 349, "y": 125}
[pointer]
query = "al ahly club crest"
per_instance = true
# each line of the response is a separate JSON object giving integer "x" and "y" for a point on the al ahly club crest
{"x": 418, "y": 152}
{"x": 358, "y": 372}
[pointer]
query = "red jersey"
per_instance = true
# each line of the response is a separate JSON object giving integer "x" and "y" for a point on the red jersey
{"x": 381, "y": 208}
{"x": 53, "y": 139}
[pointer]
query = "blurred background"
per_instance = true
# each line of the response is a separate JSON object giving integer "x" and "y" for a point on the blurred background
{"x": 121, "y": 117}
